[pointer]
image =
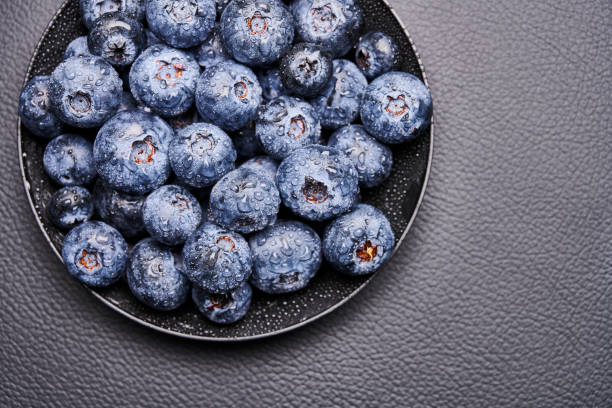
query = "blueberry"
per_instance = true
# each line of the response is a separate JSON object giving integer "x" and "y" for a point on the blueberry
{"x": 201, "y": 154}
{"x": 68, "y": 160}
{"x": 359, "y": 242}
{"x": 35, "y": 109}
{"x": 95, "y": 253}
{"x": 255, "y": 32}
{"x": 154, "y": 278}
{"x": 306, "y": 69}
{"x": 116, "y": 38}
{"x": 211, "y": 51}
{"x": 244, "y": 201}
{"x": 228, "y": 95}
{"x": 333, "y": 24}
{"x": 78, "y": 48}
{"x": 85, "y": 91}
{"x": 262, "y": 165}
{"x": 127, "y": 102}
{"x": 396, "y": 107}
{"x": 131, "y": 152}
{"x": 376, "y": 54}
{"x": 216, "y": 259}
{"x": 224, "y": 308}
{"x": 246, "y": 142}
{"x": 286, "y": 124}
{"x": 317, "y": 183}
{"x": 165, "y": 79}
{"x": 151, "y": 39}
{"x": 171, "y": 214}
{"x": 285, "y": 257}
{"x": 91, "y": 10}
{"x": 372, "y": 159}
{"x": 184, "y": 119}
{"x": 271, "y": 84}
{"x": 181, "y": 23}
{"x": 70, "y": 206}
{"x": 339, "y": 102}
{"x": 119, "y": 210}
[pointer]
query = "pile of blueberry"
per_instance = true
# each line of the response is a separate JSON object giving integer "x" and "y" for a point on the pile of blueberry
{"x": 179, "y": 93}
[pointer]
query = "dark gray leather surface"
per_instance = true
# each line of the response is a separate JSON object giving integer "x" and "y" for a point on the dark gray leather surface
{"x": 500, "y": 297}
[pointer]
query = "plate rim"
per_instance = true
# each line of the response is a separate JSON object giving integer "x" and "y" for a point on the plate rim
{"x": 287, "y": 329}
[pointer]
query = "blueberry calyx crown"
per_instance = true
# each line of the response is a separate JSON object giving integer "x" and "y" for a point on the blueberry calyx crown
{"x": 257, "y": 23}
{"x": 166, "y": 71}
{"x": 297, "y": 127}
{"x": 80, "y": 102}
{"x": 181, "y": 202}
{"x": 220, "y": 301}
{"x": 182, "y": 12}
{"x": 88, "y": 260}
{"x": 314, "y": 191}
{"x": 325, "y": 18}
{"x": 225, "y": 243}
{"x": 143, "y": 151}
{"x": 367, "y": 252}
{"x": 396, "y": 106}
{"x": 203, "y": 142}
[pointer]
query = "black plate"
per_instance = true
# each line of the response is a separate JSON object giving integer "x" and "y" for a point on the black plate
{"x": 399, "y": 198}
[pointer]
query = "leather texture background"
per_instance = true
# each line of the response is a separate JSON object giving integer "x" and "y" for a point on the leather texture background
{"x": 500, "y": 297}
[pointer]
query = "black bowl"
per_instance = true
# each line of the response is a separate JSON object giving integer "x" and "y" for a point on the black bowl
{"x": 399, "y": 198}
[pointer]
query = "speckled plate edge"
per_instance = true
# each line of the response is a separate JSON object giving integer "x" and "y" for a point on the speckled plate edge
{"x": 228, "y": 339}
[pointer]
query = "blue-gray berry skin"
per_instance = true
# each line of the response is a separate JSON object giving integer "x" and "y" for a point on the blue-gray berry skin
{"x": 246, "y": 142}
{"x": 333, "y": 24}
{"x": 306, "y": 69}
{"x": 85, "y": 91}
{"x": 171, "y": 214}
{"x": 225, "y": 308}
{"x": 372, "y": 159}
{"x": 131, "y": 152}
{"x": 68, "y": 160}
{"x": 120, "y": 210}
{"x": 116, "y": 38}
{"x": 154, "y": 278}
{"x": 359, "y": 242}
{"x": 271, "y": 84}
{"x": 216, "y": 259}
{"x": 263, "y": 165}
{"x": 78, "y": 48}
{"x": 211, "y": 51}
{"x": 228, "y": 95}
{"x": 95, "y": 253}
{"x": 244, "y": 201}
{"x": 70, "y": 206}
{"x": 286, "y": 124}
{"x": 285, "y": 256}
{"x": 318, "y": 183}
{"x": 376, "y": 54}
{"x": 201, "y": 154}
{"x": 35, "y": 109}
{"x": 165, "y": 79}
{"x": 128, "y": 102}
{"x": 339, "y": 102}
{"x": 91, "y": 10}
{"x": 396, "y": 107}
{"x": 181, "y": 23}
{"x": 256, "y": 32}
{"x": 151, "y": 39}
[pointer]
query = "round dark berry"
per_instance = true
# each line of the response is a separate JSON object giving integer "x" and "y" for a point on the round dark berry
{"x": 306, "y": 69}
{"x": 70, "y": 206}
